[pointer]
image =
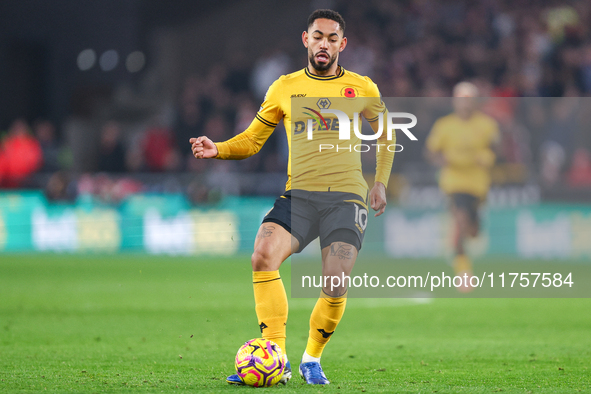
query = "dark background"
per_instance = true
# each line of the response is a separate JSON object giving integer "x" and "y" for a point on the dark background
{"x": 203, "y": 58}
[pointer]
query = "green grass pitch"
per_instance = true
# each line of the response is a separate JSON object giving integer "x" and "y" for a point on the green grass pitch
{"x": 134, "y": 323}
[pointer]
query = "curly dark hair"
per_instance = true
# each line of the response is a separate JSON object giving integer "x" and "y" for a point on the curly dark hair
{"x": 327, "y": 14}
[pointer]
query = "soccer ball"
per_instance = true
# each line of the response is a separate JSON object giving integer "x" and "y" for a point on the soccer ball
{"x": 260, "y": 363}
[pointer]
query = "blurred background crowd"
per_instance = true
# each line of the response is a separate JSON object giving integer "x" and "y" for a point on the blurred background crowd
{"x": 104, "y": 103}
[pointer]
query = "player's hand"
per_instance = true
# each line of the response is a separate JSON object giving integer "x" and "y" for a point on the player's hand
{"x": 203, "y": 148}
{"x": 377, "y": 198}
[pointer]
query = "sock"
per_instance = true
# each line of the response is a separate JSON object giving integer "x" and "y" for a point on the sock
{"x": 324, "y": 320}
{"x": 271, "y": 306}
{"x": 462, "y": 264}
{"x": 306, "y": 358}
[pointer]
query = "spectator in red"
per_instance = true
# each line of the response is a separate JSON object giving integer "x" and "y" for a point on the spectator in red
{"x": 159, "y": 152}
{"x": 20, "y": 155}
{"x": 579, "y": 174}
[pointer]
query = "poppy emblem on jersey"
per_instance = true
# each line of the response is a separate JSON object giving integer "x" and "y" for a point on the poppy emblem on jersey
{"x": 349, "y": 92}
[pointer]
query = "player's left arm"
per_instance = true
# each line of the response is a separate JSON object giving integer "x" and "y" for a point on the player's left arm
{"x": 377, "y": 198}
{"x": 384, "y": 157}
{"x": 384, "y": 160}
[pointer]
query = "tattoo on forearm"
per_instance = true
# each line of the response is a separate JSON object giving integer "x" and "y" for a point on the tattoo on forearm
{"x": 342, "y": 250}
{"x": 266, "y": 231}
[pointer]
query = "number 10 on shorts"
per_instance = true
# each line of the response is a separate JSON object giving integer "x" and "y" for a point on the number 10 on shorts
{"x": 360, "y": 218}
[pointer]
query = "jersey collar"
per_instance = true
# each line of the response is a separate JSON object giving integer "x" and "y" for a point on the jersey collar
{"x": 322, "y": 78}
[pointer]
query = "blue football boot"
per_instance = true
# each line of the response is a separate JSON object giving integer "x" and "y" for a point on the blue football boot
{"x": 312, "y": 373}
{"x": 234, "y": 379}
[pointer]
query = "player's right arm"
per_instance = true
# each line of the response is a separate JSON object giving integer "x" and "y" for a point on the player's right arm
{"x": 242, "y": 146}
{"x": 251, "y": 140}
{"x": 203, "y": 148}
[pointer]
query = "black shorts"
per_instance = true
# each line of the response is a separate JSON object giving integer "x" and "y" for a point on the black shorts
{"x": 467, "y": 202}
{"x": 332, "y": 216}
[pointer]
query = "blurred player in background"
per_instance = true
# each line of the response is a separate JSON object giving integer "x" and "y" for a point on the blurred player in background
{"x": 329, "y": 196}
{"x": 462, "y": 144}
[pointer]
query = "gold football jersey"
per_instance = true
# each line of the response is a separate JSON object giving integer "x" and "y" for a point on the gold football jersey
{"x": 302, "y": 96}
{"x": 466, "y": 146}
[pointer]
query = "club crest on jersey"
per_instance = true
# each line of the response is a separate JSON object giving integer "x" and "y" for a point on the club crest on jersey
{"x": 323, "y": 103}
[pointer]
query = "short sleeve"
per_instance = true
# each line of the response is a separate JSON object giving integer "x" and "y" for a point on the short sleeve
{"x": 375, "y": 106}
{"x": 271, "y": 112}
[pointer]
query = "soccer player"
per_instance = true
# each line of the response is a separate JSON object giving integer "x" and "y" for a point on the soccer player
{"x": 462, "y": 144}
{"x": 324, "y": 195}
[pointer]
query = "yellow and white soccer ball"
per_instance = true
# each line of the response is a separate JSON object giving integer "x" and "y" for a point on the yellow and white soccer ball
{"x": 260, "y": 363}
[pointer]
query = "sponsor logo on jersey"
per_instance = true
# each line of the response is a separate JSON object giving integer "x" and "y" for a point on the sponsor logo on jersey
{"x": 325, "y": 124}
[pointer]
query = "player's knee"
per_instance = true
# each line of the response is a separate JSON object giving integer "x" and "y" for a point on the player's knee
{"x": 468, "y": 225}
{"x": 335, "y": 291}
{"x": 344, "y": 243}
{"x": 337, "y": 279}
{"x": 462, "y": 221}
{"x": 262, "y": 260}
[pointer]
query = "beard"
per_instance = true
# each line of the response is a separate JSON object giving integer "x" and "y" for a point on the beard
{"x": 321, "y": 67}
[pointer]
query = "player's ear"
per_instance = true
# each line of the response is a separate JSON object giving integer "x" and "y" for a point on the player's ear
{"x": 305, "y": 38}
{"x": 343, "y": 44}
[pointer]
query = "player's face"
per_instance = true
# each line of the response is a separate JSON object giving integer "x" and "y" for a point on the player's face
{"x": 324, "y": 40}
{"x": 464, "y": 105}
